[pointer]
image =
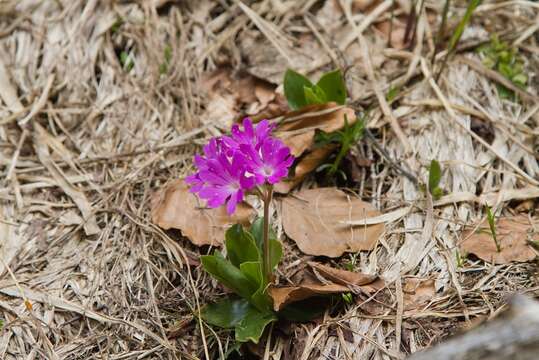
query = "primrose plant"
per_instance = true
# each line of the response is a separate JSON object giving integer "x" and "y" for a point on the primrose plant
{"x": 249, "y": 160}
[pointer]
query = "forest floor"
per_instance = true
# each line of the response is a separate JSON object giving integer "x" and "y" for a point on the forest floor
{"x": 104, "y": 103}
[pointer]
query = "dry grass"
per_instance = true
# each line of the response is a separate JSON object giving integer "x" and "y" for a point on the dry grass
{"x": 84, "y": 138}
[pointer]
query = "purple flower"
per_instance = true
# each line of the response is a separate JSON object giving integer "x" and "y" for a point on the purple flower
{"x": 232, "y": 165}
{"x": 220, "y": 178}
{"x": 270, "y": 163}
{"x": 249, "y": 135}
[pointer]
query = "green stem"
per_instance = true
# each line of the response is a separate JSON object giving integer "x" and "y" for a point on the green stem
{"x": 266, "y": 256}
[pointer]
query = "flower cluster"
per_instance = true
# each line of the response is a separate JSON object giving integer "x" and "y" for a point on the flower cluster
{"x": 232, "y": 165}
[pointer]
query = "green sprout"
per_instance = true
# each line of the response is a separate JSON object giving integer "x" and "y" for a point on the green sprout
{"x": 499, "y": 56}
{"x": 492, "y": 225}
{"x": 127, "y": 61}
{"x": 345, "y": 138}
{"x": 435, "y": 175}
{"x": 167, "y": 57}
{"x": 347, "y": 297}
{"x": 460, "y": 258}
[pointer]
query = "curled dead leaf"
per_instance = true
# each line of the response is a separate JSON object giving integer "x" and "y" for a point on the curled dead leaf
{"x": 305, "y": 166}
{"x": 313, "y": 219}
{"x": 175, "y": 207}
{"x": 342, "y": 277}
{"x": 283, "y": 296}
{"x": 298, "y": 128}
{"x": 336, "y": 281}
{"x": 229, "y": 93}
{"x": 417, "y": 292}
{"x": 514, "y": 234}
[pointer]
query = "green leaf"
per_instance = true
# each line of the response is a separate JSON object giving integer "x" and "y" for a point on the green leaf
{"x": 257, "y": 230}
{"x": 240, "y": 246}
{"x": 126, "y": 61}
{"x": 229, "y": 275}
{"x": 314, "y": 95}
{"x": 276, "y": 249}
{"x": 520, "y": 80}
{"x": 294, "y": 84}
{"x": 332, "y": 84}
{"x": 253, "y": 324}
{"x": 506, "y": 70}
{"x": 392, "y": 93}
{"x": 276, "y": 252}
{"x": 435, "y": 175}
{"x": 226, "y": 313}
{"x": 253, "y": 271}
{"x": 492, "y": 225}
{"x": 462, "y": 24}
{"x": 437, "y": 193}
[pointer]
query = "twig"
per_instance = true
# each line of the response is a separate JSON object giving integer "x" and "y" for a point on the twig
{"x": 391, "y": 162}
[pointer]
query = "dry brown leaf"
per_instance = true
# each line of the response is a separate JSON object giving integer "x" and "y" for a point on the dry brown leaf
{"x": 514, "y": 235}
{"x": 306, "y": 165}
{"x": 283, "y": 296}
{"x": 336, "y": 281}
{"x": 175, "y": 207}
{"x": 229, "y": 94}
{"x": 298, "y": 128}
{"x": 363, "y": 5}
{"x": 342, "y": 277}
{"x": 313, "y": 219}
{"x": 417, "y": 292}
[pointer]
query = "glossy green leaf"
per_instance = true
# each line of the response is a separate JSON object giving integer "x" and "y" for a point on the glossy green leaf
{"x": 240, "y": 246}
{"x": 257, "y": 230}
{"x": 314, "y": 95}
{"x": 226, "y": 313}
{"x": 253, "y": 271}
{"x": 229, "y": 275}
{"x": 253, "y": 324}
{"x": 492, "y": 225}
{"x": 294, "y": 84}
{"x": 276, "y": 249}
{"x": 332, "y": 84}
{"x": 276, "y": 253}
{"x": 435, "y": 175}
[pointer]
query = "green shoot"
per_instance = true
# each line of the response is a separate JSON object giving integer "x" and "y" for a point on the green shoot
{"x": 346, "y": 138}
{"x": 435, "y": 175}
{"x": 499, "y": 56}
{"x": 460, "y": 258}
{"x": 392, "y": 93}
{"x": 347, "y": 297}
{"x": 442, "y": 29}
{"x": 455, "y": 38}
{"x": 117, "y": 24}
{"x": 350, "y": 265}
{"x": 492, "y": 225}
{"x": 167, "y": 57}
{"x": 127, "y": 61}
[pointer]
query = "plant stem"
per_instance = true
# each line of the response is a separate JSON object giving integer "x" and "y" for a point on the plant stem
{"x": 266, "y": 256}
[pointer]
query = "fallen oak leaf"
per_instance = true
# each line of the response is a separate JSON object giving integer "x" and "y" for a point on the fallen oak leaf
{"x": 513, "y": 234}
{"x": 342, "y": 277}
{"x": 304, "y": 167}
{"x": 313, "y": 219}
{"x": 417, "y": 292}
{"x": 283, "y": 296}
{"x": 311, "y": 286}
{"x": 297, "y": 129}
{"x": 175, "y": 207}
